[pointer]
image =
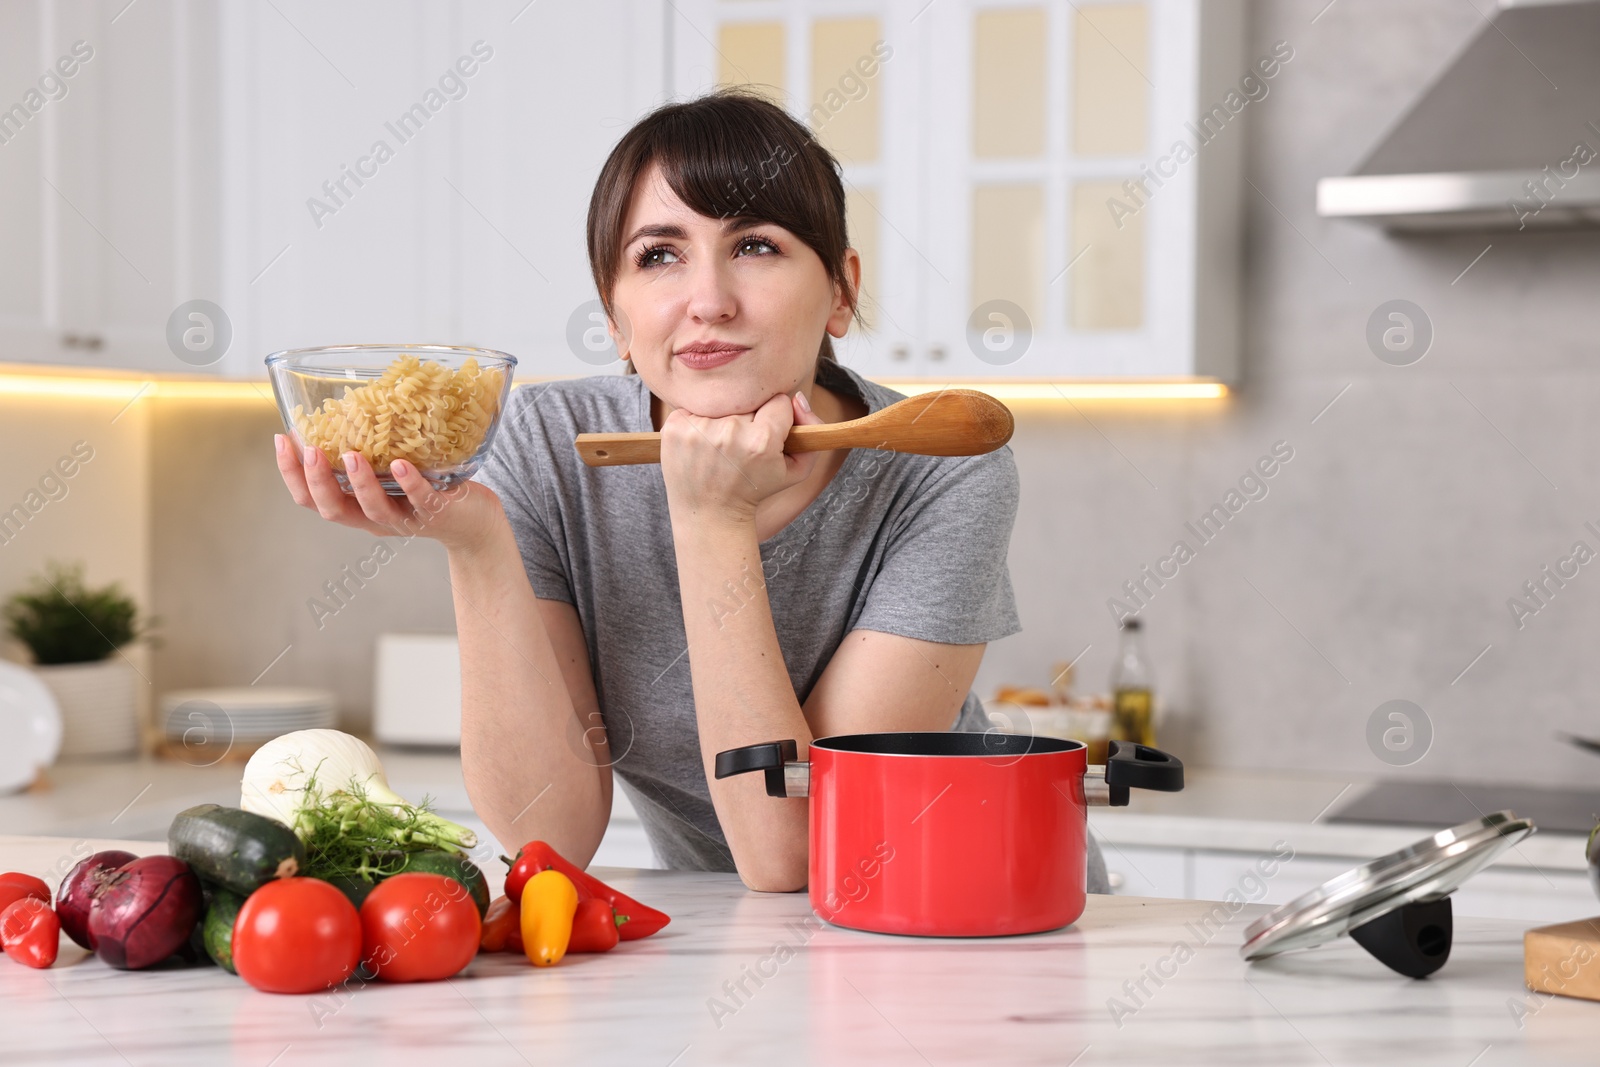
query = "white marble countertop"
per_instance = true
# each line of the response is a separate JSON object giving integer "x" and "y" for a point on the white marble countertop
{"x": 816, "y": 994}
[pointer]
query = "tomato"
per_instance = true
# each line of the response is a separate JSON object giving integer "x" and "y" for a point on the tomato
{"x": 296, "y": 935}
{"x": 14, "y": 886}
{"x": 419, "y": 928}
{"x": 31, "y": 932}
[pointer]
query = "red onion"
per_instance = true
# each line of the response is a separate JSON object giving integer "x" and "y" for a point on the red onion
{"x": 145, "y": 912}
{"x": 78, "y": 889}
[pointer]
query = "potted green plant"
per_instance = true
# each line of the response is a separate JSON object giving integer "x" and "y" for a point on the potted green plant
{"x": 74, "y": 633}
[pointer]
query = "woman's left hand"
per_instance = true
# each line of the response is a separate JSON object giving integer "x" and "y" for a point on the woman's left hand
{"x": 725, "y": 466}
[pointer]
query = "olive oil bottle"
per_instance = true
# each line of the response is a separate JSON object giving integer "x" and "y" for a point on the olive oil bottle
{"x": 1132, "y": 685}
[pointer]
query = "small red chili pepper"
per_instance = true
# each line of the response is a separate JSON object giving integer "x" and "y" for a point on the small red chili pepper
{"x": 594, "y": 927}
{"x": 522, "y": 868}
{"x": 502, "y": 927}
{"x": 635, "y": 920}
{"x": 31, "y": 932}
{"x": 15, "y": 885}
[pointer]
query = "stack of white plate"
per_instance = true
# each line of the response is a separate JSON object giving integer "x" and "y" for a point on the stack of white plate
{"x": 200, "y": 718}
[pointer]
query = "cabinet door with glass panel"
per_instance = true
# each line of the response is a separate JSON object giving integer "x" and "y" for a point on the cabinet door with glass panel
{"x": 1013, "y": 171}
{"x": 1079, "y": 226}
{"x": 847, "y": 69}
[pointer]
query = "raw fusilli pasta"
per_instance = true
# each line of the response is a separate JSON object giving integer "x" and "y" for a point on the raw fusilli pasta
{"x": 425, "y": 413}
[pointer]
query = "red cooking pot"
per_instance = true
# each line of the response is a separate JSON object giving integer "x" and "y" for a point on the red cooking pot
{"x": 951, "y": 834}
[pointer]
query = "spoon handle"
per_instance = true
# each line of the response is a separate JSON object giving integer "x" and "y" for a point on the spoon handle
{"x": 620, "y": 449}
{"x": 951, "y": 422}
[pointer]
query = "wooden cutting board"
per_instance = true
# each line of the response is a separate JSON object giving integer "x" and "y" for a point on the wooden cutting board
{"x": 1564, "y": 959}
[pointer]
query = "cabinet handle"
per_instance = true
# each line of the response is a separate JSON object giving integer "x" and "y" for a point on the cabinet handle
{"x": 936, "y": 352}
{"x": 900, "y": 353}
{"x": 92, "y": 342}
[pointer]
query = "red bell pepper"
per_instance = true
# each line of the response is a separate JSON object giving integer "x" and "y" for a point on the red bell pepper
{"x": 634, "y": 920}
{"x": 31, "y": 932}
{"x": 594, "y": 927}
{"x": 14, "y": 886}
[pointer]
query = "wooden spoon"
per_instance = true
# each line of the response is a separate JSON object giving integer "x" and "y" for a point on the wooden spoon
{"x": 952, "y": 422}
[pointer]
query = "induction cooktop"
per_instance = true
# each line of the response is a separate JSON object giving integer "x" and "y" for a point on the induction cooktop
{"x": 1438, "y": 805}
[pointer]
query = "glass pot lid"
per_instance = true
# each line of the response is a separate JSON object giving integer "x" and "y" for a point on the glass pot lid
{"x": 1402, "y": 895}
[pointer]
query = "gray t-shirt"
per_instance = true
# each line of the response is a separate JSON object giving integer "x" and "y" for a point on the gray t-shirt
{"x": 910, "y": 545}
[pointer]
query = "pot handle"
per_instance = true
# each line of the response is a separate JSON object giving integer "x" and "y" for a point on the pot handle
{"x": 1135, "y": 766}
{"x": 786, "y": 775}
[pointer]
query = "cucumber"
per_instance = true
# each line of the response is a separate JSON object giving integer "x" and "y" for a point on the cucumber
{"x": 451, "y": 865}
{"x": 195, "y": 950}
{"x": 236, "y": 849}
{"x": 217, "y": 927}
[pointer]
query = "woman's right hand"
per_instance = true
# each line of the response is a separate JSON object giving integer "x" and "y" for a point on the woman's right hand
{"x": 462, "y": 517}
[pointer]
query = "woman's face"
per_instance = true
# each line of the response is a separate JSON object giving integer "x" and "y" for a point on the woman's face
{"x": 688, "y": 280}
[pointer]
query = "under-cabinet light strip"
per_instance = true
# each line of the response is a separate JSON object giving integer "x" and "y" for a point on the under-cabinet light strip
{"x": 131, "y": 388}
{"x": 1077, "y": 390}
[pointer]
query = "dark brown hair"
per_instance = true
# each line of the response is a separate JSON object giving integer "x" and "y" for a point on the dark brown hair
{"x": 730, "y": 153}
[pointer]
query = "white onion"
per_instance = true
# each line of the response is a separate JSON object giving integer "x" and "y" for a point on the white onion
{"x": 298, "y": 770}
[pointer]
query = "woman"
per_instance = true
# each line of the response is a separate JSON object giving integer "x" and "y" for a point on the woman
{"x": 632, "y": 622}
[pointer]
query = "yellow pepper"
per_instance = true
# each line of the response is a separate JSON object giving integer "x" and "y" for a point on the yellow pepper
{"x": 549, "y": 901}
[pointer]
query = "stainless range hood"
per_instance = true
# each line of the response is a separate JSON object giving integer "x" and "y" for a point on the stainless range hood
{"x": 1507, "y": 136}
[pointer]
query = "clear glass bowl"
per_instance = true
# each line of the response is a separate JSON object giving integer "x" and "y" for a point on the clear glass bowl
{"x": 436, "y": 406}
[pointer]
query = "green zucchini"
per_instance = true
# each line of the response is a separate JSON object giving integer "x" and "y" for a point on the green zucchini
{"x": 353, "y": 886}
{"x": 195, "y": 949}
{"x": 236, "y": 849}
{"x": 217, "y": 927}
{"x": 451, "y": 865}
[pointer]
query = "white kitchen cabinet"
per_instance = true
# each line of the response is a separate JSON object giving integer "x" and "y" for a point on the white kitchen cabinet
{"x": 469, "y": 229}
{"x": 95, "y": 182}
{"x": 230, "y": 152}
{"x": 1502, "y": 892}
{"x": 1137, "y": 871}
{"x": 1520, "y": 893}
{"x": 1216, "y": 874}
{"x": 992, "y": 153}
{"x": 625, "y": 845}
